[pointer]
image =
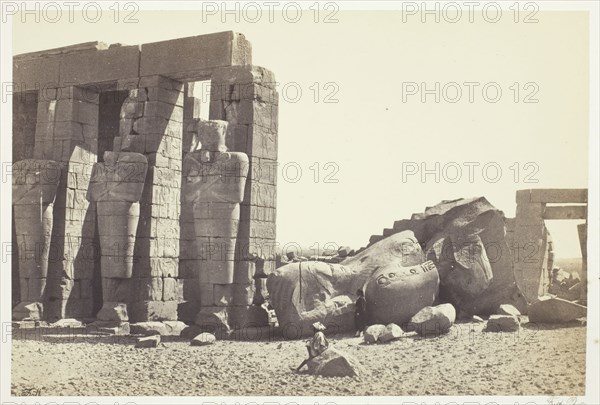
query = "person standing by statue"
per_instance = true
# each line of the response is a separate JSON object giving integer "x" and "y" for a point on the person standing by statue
{"x": 316, "y": 345}
{"x": 360, "y": 313}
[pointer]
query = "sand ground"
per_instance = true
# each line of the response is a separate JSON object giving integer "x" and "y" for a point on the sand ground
{"x": 540, "y": 360}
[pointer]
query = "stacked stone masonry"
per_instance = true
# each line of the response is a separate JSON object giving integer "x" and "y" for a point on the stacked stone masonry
{"x": 122, "y": 242}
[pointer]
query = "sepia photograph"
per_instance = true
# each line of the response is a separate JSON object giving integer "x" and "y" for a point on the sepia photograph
{"x": 293, "y": 202}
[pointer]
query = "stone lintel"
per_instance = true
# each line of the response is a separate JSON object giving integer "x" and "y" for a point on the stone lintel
{"x": 553, "y": 195}
{"x": 117, "y": 66}
{"x": 566, "y": 212}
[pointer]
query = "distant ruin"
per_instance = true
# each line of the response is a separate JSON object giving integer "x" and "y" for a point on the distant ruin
{"x": 99, "y": 137}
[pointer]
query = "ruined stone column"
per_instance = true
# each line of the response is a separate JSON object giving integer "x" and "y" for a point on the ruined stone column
{"x": 34, "y": 191}
{"x": 116, "y": 187}
{"x": 529, "y": 247}
{"x": 245, "y": 96}
{"x": 214, "y": 184}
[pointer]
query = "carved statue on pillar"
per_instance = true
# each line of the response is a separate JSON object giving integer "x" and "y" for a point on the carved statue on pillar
{"x": 214, "y": 182}
{"x": 35, "y": 184}
{"x": 116, "y": 187}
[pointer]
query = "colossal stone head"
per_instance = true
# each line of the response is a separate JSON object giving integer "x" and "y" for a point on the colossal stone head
{"x": 211, "y": 135}
{"x": 393, "y": 273}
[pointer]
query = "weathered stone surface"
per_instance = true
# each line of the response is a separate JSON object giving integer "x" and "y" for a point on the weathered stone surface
{"x": 553, "y": 195}
{"x": 67, "y": 324}
{"x": 251, "y": 316}
{"x": 213, "y": 318}
{"x": 219, "y": 178}
{"x": 203, "y": 339}
{"x": 194, "y": 57}
{"x": 392, "y": 332}
{"x": 555, "y": 310}
{"x": 109, "y": 328}
{"x": 466, "y": 240}
{"x": 35, "y": 181}
{"x": 214, "y": 184}
{"x": 164, "y": 328}
{"x": 507, "y": 309}
{"x": 28, "y": 311}
{"x": 119, "y": 178}
{"x": 344, "y": 251}
{"x": 153, "y": 311}
{"x": 502, "y": 323}
{"x": 398, "y": 284}
{"x": 113, "y": 311}
{"x": 335, "y": 363}
{"x": 373, "y": 332}
{"x": 433, "y": 320}
{"x": 117, "y": 226}
{"x": 70, "y": 127}
{"x": 148, "y": 342}
{"x": 34, "y": 186}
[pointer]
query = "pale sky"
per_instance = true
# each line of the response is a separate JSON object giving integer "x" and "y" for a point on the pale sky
{"x": 369, "y": 135}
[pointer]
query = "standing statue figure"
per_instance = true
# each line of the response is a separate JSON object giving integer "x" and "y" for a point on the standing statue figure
{"x": 214, "y": 182}
{"x": 116, "y": 187}
{"x": 35, "y": 184}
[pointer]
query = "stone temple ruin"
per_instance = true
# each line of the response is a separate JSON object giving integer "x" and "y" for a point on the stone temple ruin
{"x": 462, "y": 252}
{"x": 127, "y": 207}
{"x": 130, "y": 208}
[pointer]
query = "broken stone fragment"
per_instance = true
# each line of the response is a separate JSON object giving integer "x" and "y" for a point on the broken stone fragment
{"x": 203, "y": 339}
{"x": 433, "y": 320}
{"x": 396, "y": 278}
{"x": 335, "y": 363}
{"x": 555, "y": 310}
{"x": 214, "y": 319}
{"x": 109, "y": 328}
{"x": 113, "y": 311}
{"x": 148, "y": 342}
{"x": 467, "y": 241}
{"x": 507, "y": 309}
{"x": 392, "y": 332}
{"x": 28, "y": 311}
{"x": 344, "y": 251}
{"x": 67, "y": 323}
{"x": 164, "y": 328}
{"x": 373, "y": 332}
{"x": 502, "y": 323}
